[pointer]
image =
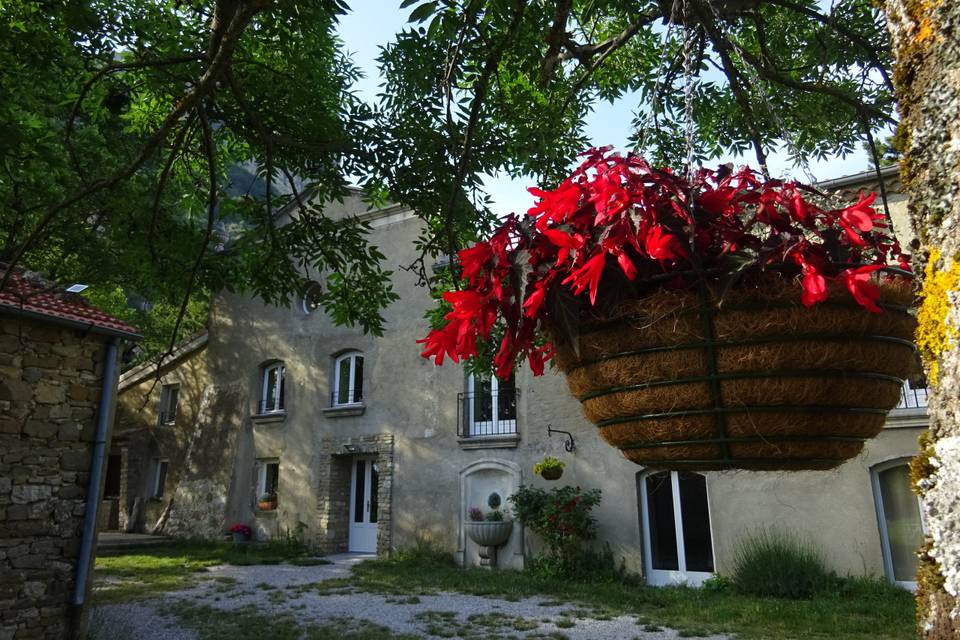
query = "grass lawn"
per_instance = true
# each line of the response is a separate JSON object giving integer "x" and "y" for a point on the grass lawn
{"x": 860, "y": 609}
{"x": 856, "y": 610}
{"x": 147, "y": 571}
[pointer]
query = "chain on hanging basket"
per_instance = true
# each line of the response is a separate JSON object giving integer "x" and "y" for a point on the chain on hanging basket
{"x": 723, "y": 322}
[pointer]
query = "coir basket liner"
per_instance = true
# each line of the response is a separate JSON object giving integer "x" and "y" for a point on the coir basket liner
{"x": 675, "y": 380}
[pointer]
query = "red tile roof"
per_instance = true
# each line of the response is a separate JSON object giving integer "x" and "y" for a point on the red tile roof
{"x": 28, "y": 294}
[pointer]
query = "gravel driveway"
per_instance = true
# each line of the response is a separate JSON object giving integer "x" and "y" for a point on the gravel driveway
{"x": 301, "y": 592}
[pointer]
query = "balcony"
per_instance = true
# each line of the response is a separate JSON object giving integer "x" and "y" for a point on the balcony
{"x": 167, "y": 418}
{"x": 487, "y": 418}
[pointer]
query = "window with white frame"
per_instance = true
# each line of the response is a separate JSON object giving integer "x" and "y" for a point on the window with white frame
{"x": 900, "y": 520}
{"x": 169, "y": 403}
{"x": 160, "y": 466}
{"x": 347, "y": 379}
{"x": 271, "y": 394}
{"x": 490, "y": 406}
{"x": 268, "y": 482}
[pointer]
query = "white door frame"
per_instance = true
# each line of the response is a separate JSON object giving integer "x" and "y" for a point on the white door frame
{"x": 664, "y": 577}
{"x": 875, "y": 472}
{"x": 362, "y": 535}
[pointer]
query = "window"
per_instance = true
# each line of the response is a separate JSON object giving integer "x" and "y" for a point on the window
{"x": 677, "y": 541}
{"x": 169, "y": 402}
{"x": 900, "y": 522}
{"x": 268, "y": 481}
{"x": 160, "y": 466}
{"x": 490, "y": 406}
{"x": 311, "y": 298}
{"x": 347, "y": 379}
{"x": 271, "y": 395}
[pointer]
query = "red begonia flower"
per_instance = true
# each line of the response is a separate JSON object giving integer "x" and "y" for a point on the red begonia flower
{"x": 865, "y": 292}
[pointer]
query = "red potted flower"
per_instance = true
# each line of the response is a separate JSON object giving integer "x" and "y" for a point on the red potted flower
{"x": 240, "y": 533}
{"x": 720, "y": 321}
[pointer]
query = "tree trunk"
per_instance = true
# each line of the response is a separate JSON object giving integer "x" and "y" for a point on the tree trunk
{"x": 926, "y": 43}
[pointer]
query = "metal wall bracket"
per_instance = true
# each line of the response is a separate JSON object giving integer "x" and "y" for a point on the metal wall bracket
{"x": 568, "y": 444}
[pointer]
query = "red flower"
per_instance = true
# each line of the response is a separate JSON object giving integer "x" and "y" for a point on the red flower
{"x": 861, "y": 217}
{"x": 588, "y": 276}
{"x": 474, "y": 259}
{"x": 814, "y": 286}
{"x": 531, "y": 306}
{"x": 555, "y": 206}
{"x": 857, "y": 281}
{"x": 661, "y": 245}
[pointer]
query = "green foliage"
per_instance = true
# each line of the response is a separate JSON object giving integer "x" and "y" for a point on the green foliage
{"x": 560, "y": 516}
{"x": 101, "y": 181}
{"x": 779, "y": 564}
{"x": 548, "y": 462}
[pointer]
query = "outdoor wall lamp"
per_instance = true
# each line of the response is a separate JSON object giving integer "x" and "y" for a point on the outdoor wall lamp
{"x": 351, "y": 448}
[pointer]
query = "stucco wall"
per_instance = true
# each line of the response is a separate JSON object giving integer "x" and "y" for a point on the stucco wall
{"x": 143, "y": 440}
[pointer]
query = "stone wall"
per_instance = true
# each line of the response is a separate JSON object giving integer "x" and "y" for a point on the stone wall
{"x": 335, "y": 466}
{"x": 49, "y": 388}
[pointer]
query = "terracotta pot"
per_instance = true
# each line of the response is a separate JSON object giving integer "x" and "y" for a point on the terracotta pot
{"x": 490, "y": 534}
{"x": 552, "y": 473}
{"x": 266, "y": 506}
{"x": 757, "y": 382}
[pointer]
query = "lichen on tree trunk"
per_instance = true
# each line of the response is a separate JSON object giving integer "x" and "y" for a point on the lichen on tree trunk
{"x": 926, "y": 41}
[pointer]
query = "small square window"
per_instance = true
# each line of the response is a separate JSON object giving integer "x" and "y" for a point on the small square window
{"x": 169, "y": 403}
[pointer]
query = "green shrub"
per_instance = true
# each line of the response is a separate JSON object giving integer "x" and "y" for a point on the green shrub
{"x": 561, "y": 517}
{"x": 779, "y": 564}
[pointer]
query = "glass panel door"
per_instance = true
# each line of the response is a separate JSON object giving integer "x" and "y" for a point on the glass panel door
{"x": 678, "y": 544}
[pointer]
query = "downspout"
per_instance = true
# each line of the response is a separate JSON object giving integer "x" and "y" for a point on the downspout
{"x": 107, "y": 397}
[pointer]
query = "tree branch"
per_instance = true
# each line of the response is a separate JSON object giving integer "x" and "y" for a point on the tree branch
{"x": 828, "y": 21}
{"x": 219, "y": 61}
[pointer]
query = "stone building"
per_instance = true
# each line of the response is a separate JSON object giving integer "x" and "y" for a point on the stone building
{"x": 58, "y": 374}
{"x": 356, "y": 442}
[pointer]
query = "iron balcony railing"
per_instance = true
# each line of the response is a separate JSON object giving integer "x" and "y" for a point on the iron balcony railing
{"x": 487, "y": 414}
{"x": 346, "y": 397}
{"x": 913, "y": 395}
{"x": 167, "y": 417}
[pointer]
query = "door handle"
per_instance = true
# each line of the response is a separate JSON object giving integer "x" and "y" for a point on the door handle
{"x": 368, "y": 506}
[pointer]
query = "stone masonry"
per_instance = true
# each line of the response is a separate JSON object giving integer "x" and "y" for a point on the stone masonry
{"x": 50, "y": 381}
{"x": 333, "y": 495}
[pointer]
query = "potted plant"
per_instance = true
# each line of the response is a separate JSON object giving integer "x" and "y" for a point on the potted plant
{"x": 489, "y": 530}
{"x": 721, "y": 321}
{"x": 267, "y": 502}
{"x": 549, "y": 468}
{"x": 240, "y": 533}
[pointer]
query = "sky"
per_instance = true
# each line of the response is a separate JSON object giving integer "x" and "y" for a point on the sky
{"x": 372, "y": 23}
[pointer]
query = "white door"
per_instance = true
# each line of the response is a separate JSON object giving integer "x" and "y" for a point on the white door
{"x": 363, "y": 506}
{"x": 678, "y": 545}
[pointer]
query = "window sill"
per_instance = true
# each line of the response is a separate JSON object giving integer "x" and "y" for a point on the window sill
{"x": 345, "y": 410}
{"x": 500, "y": 441}
{"x": 265, "y": 513}
{"x": 269, "y": 418}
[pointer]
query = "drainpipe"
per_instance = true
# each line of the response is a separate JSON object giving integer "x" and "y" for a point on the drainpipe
{"x": 107, "y": 397}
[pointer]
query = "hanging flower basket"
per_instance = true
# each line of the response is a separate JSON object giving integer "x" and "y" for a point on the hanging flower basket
{"x": 761, "y": 382}
{"x": 719, "y": 322}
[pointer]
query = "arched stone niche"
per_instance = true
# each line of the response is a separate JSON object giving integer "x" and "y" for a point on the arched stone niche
{"x": 477, "y": 481}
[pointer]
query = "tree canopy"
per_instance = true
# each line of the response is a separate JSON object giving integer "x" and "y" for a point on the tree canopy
{"x": 122, "y": 125}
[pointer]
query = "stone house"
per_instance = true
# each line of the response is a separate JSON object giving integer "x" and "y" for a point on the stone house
{"x": 59, "y": 359}
{"x": 355, "y": 442}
